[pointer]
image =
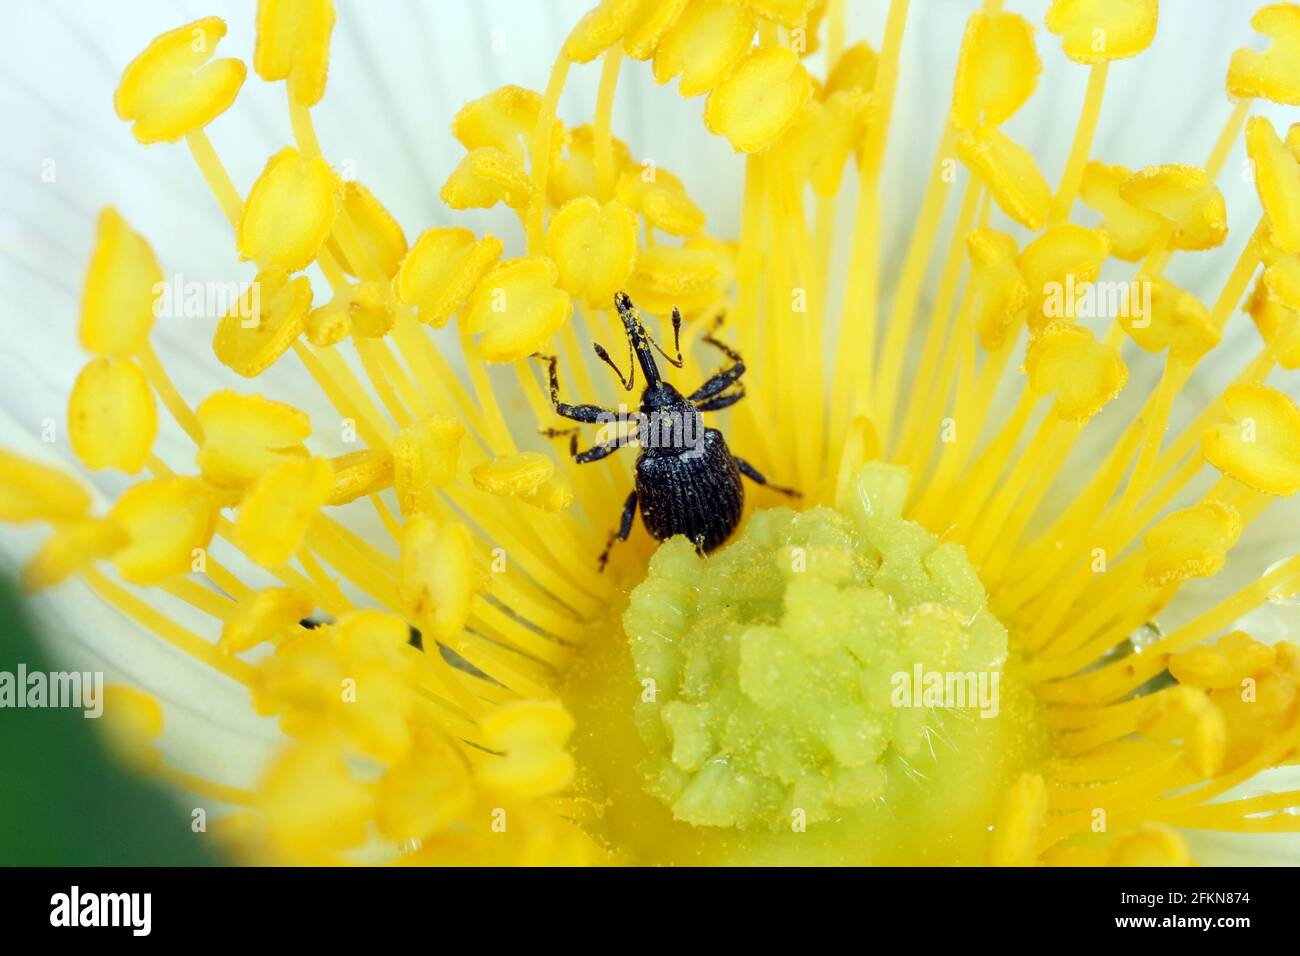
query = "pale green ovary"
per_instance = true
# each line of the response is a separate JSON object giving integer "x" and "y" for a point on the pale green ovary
{"x": 772, "y": 661}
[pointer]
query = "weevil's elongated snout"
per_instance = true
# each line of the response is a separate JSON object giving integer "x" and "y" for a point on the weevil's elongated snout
{"x": 636, "y": 334}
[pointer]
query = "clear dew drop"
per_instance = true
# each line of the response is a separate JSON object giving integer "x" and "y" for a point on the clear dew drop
{"x": 1287, "y": 595}
{"x": 1145, "y": 636}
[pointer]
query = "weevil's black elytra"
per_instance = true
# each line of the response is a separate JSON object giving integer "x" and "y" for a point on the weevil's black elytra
{"x": 687, "y": 479}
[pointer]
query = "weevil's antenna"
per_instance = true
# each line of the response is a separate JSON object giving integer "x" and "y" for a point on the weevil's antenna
{"x": 637, "y": 338}
{"x": 677, "y": 341}
{"x": 628, "y": 382}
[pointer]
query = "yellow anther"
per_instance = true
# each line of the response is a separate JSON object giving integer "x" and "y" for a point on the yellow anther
{"x": 758, "y": 99}
{"x": 327, "y": 325}
{"x": 112, "y": 418}
{"x": 599, "y": 29}
{"x": 1192, "y": 543}
{"x": 1271, "y": 316}
{"x": 574, "y": 174}
{"x": 593, "y": 247}
{"x": 309, "y": 801}
{"x": 519, "y": 474}
{"x": 1224, "y": 664}
{"x": 1019, "y": 821}
{"x": 485, "y": 177}
{"x": 360, "y": 473}
{"x": 703, "y": 46}
{"x": 1176, "y": 320}
{"x": 1132, "y": 231}
{"x": 441, "y": 270}
{"x": 370, "y": 309}
{"x": 647, "y": 24}
{"x": 855, "y": 71}
{"x": 1260, "y": 705}
{"x": 504, "y": 119}
{"x": 689, "y": 277}
{"x": 34, "y": 492}
{"x": 1261, "y": 243}
{"x": 168, "y": 524}
{"x": 1000, "y": 293}
{"x": 69, "y": 549}
{"x": 805, "y": 38}
{"x": 289, "y": 211}
{"x": 280, "y": 506}
{"x": 1259, "y": 443}
{"x": 1151, "y": 845}
{"x": 517, "y": 307}
{"x": 822, "y": 137}
{"x": 265, "y": 321}
{"x": 425, "y": 793}
{"x": 380, "y": 236}
{"x": 132, "y": 721}
{"x": 788, "y": 13}
{"x": 997, "y": 70}
{"x": 553, "y": 494}
{"x": 364, "y": 309}
{"x": 425, "y": 456}
{"x": 1191, "y": 204}
{"x": 377, "y": 710}
{"x": 1009, "y": 172}
{"x": 530, "y": 736}
{"x": 1084, "y": 374}
{"x": 1059, "y": 268}
{"x": 660, "y": 196}
{"x": 122, "y": 285}
{"x": 1095, "y": 31}
{"x": 244, "y": 436}
{"x": 264, "y": 617}
{"x": 171, "y": 89}
{"x": 1282, "y": 280}
{"x": 293, "y": 43}
{"x": 1272, "y": 73}
{"x": 1187, "y": 715}
{"x": 1277, "y": 177}
{"x": 376, "y": 637}
{"x": 438, "y": 575}
{"x": 301, "y": 681}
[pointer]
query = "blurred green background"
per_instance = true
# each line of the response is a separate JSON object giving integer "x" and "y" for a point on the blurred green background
{"x": 64, "y": 801}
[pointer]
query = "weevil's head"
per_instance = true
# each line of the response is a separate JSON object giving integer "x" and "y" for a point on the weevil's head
{"x": 636, "y": 335}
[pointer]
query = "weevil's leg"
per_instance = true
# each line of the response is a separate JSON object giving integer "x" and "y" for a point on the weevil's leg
{"x": 712, "y": 339}
{"x": 756, "y": 476}
{"x": 699, "y": 545}
{"x": 594, "y": 453}
{"x": 624, "y": 528}
{"x": 719, "y": 402}
{"x": 578, "y": 413}
{"x": 721, "y": 379}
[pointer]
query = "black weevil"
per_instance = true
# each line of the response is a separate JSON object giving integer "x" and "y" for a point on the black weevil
{"x": 687, "y": 479}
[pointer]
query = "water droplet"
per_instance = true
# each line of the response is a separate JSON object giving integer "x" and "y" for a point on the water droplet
{"x": 1145, "y": 636}
{"x": 1286, "y": 593}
